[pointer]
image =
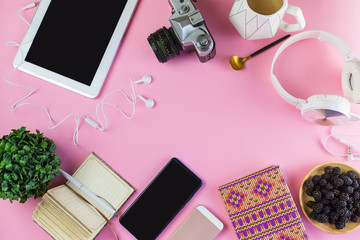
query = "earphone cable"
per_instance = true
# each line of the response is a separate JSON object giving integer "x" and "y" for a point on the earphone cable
{"x": 337, "y": 136}
{"x": 77, "y": 117}
{"x": 31, "y": 5}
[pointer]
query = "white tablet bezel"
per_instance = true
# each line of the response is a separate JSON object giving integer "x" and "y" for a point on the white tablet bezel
{"x": 89, "y": 91}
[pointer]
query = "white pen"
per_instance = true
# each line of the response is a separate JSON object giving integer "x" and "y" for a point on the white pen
{"x": 88, "y": 192}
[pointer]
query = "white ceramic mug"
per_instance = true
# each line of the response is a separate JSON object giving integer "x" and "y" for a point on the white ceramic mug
{"x": 257, "y": 19}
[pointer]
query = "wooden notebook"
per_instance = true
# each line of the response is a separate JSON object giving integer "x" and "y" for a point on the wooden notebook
{"x": 64, "y": 213}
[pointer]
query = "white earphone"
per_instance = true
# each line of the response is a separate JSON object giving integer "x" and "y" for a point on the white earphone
{"x": 145, "y": 79}
{"x": 327, "y": 110}
{"x": 149, "y": 103}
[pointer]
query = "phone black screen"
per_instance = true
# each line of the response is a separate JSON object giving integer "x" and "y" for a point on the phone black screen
{"x": 159, "y": 203}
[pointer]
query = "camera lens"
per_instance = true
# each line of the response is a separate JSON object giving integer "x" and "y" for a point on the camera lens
{"x": 164, "y": 44}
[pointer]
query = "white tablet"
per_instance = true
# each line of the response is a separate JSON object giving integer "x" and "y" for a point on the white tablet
{"x": 73, "y": 43}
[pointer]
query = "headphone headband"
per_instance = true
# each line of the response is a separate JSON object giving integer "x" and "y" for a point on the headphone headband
{"x": 322, "y": 36}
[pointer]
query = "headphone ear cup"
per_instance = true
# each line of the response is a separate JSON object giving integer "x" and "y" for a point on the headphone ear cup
{"x": 350, "y": 81}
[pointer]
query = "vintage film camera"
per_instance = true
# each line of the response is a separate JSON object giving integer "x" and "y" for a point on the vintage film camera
{"x": 187, "y": 32}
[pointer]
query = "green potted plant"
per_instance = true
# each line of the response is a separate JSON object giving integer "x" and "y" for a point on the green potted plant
{"x": 27, "y": 164}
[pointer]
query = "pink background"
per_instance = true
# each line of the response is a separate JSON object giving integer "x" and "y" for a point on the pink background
{"x": 221, "y": 123}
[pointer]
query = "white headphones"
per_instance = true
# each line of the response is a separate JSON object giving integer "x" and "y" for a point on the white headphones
{"x": 327, "y": 110}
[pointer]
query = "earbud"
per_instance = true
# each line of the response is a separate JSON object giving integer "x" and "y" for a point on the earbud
{"x": 145, "y": 79}
{"x": 149, "y": 103}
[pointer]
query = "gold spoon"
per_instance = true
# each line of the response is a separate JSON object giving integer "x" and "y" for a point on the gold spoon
{"x": 238, "y": 63}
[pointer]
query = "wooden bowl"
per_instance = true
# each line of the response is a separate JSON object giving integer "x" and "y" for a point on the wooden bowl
{"x": 304, "y": 198}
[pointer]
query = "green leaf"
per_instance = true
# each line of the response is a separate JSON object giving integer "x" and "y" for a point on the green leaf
{"x": 3, "y": 195}
{"x": 14, "y": 149}
{"x": 22, "y": 163}
{"x": 4, "y": 186}
{"x": 8, "y": 166}
{"x": 38, "y": 167}
{"x": 2, "y": 164}
{"x": 44, "y": 144}
{"x": 14, "y": 176}
{"x": 8, "y": 146}
{"x": 7, "y": 176}
{"x": 16, "y": 168}
{"x": 2, "y": 145}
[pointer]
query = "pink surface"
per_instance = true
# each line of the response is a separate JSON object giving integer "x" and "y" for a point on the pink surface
{"x": 221, "y": 123}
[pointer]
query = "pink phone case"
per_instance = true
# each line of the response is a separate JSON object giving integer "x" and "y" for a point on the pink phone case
{"x": 196, "y": 227}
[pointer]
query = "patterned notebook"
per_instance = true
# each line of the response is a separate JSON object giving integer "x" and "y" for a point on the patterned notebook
{"x": 261, "y": 207}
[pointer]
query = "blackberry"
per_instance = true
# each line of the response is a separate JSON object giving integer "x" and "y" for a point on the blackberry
{"x": 336, "y": 192}
{"x": 334, "y": 215}
{"x": 344, "y": 219}
{"x": 332, "y": 220}
{"x": 357, "y": 212}
{"x": 344, "y": 196}
{"x": 335, "y": 202}
{"x": 309, "y": 184}
{"x": 356, "y": 195}
{"x": 310, "y": 204}
{"x": 316, "y": 178}
{"x": 352, "y": 174}
{"x": 329, "y": 186}
{"x": 336, "y": 170}
{"x": 342, "y": 175}
{"x": 317, "y": 207}
{"x": 323, "y": 192}
{"x": 347, "y": 181}
{"x": 348, "y": 189}
{"x": 341, "y": 211}
{"x": 332, "y": 178}
{"x": 341, "y": 204}
{"x": 338, "y": 182}
{"x": 326, "y": 176}
{"x": 354, "y": 218}
{"x": 347, "y": 213}
{"x": 350, "y": 201}
{"x": 340, "y": 225}
{"x": 355, "y": 184}
{"x": 323, "y": 218}
{"x": 326, "y": 210}
{"x": 309, "y": 192}
{"x": 325, "y": 201}
{"x": 357, "y": 204}
{"x": 328, "y": 169}
{"x": 313, "y": 215}
{"x": 322, "y": 182}
{"x": 317, "y": 195}
{"x": 329, "y": 195}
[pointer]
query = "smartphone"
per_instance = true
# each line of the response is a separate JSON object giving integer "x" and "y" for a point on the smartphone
{"x": 201, "y": 224}
{"x": 161, "y": 200}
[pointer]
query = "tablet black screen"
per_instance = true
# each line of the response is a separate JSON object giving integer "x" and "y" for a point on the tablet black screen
{"x": 74, "y": 35}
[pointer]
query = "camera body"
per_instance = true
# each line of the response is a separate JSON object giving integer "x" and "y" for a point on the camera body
{"x": 188, "y": 32}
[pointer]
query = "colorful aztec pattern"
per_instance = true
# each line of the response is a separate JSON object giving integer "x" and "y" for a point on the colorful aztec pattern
{"x": 260, "y": 207}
